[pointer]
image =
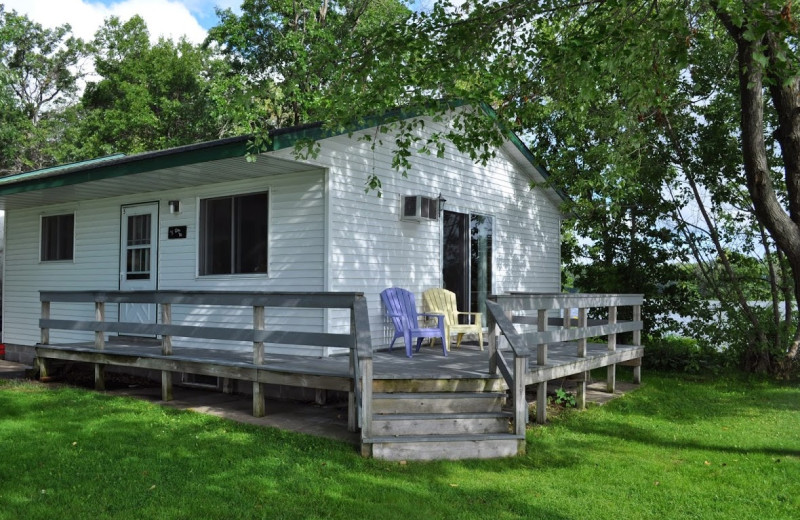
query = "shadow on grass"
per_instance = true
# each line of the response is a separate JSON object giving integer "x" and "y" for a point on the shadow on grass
{"x": 96, "y": 455}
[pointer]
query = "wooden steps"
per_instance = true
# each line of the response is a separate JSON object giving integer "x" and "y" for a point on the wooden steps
{"x": 435, "y": 419}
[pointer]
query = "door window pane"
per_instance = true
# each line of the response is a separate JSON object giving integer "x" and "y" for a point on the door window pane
{"x": 138, "y": 247}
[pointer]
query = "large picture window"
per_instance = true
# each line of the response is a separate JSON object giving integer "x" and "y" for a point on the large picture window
{"x": 58, "y": 237}
{"x": 233, "y": 234}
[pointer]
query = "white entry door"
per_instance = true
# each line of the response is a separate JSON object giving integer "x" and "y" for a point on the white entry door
{"x": 139, "y": 259}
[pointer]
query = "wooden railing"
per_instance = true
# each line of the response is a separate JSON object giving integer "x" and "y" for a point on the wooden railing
{"x": 499, "y": 323}
{"x": 551, "y": 317}
{"x": 358, "y": 340}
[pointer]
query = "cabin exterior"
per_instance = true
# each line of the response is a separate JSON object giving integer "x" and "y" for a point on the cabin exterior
{"x": 197, "y": 261}
{"x": 204, "y": 218}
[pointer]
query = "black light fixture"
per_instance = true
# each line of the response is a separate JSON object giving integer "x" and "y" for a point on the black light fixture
{"x": 174, "y": 206}
{"x": 441, "y": 200}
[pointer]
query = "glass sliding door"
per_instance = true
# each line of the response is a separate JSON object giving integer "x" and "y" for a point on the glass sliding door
{"x": 480, "y": 233}
{"x": 455, "y": 261}
{"x": 467, "y": 258}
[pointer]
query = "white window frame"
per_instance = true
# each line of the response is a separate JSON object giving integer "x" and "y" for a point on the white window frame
{"x": 42, "y": 237}
{"x": 201, "y": 230}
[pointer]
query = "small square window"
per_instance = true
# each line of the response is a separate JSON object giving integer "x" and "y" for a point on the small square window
{"x": 58, "y": 237}
{"x": 233, "y": 234}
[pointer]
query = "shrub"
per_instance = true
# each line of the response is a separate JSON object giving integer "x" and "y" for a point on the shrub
{"x": 680, "y": 354}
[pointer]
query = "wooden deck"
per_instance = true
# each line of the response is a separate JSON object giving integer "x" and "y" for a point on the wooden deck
{"x": 429, "y": 406}
{"x": 467, "y": 362}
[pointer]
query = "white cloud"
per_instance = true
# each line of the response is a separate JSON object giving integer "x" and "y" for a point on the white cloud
{"x": 168, "y": 18}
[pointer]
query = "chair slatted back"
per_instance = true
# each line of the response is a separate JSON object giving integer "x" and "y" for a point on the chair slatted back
{"x": 442, "y": 301}
{"x": 401, "y": 307}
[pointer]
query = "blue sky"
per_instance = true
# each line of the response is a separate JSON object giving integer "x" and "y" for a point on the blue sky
{"x": 170, "y": 18}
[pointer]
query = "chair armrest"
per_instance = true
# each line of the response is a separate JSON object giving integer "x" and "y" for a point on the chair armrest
{"x": 478, "y": 316}
{"x": 431, "y": 314}
{"x": 439, "y": 317}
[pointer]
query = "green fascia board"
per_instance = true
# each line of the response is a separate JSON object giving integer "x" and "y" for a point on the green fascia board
{"x": 119, "y": 166}
{"x": 42, "y": 172}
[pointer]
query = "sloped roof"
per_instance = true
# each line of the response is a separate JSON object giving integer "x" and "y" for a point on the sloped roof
{"x": 120, "y": 165}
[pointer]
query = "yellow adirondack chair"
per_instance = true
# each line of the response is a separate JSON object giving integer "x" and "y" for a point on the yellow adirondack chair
{"x": 442, "y": 301}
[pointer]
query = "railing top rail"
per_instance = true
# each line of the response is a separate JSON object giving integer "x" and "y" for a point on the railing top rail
{"x": 519, "y": 301}
{"x": 356, "y": 302}
{"x": 515, "y": 340}
{"x": 322, "y": 300}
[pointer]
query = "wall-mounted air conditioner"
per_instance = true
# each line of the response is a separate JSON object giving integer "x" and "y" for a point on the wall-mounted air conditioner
{"x": 417, "y": 208}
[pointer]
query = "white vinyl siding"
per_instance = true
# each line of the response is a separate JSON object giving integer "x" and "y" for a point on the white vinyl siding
{"x": 296, "y": 244}
{"x": 325, "y": 233}
{"x": 371, "y": 248}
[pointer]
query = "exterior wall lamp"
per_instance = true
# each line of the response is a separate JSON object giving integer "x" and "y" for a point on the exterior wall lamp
{"x": 441, "y": 200}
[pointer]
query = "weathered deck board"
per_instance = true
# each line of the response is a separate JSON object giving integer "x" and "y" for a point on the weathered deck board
{"x": 464, "y": 363}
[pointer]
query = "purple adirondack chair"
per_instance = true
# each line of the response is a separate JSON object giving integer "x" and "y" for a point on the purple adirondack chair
{"x": 402, "y": 309}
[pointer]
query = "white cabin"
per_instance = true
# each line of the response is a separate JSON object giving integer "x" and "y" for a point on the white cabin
{"x": 203, "y": 217}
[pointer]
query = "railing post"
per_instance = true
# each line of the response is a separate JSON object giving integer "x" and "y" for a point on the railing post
{"x": 541, "y": 359}
{"x": 366, "y": 398}
{"x": 99, "y": 344}
{"x": 362, "y": 350}
{"x": 45, "y": 332}
{"x": 354, "y": 412}
{"x": 520, "y": 404}
{"x": 583, "y": 321}
{"x": 99, "y": 316}
{"x": 166, "y": 349}
{"x": 541, "y": 348}
{"x": 44, "y": 339}
{"x": 637, "y": 340}
{"x": 259, "y": 403}
{"x": 493, "y": 338}
{"x": 611, "y": 371}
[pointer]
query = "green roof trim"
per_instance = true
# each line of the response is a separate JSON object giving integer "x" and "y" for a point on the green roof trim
{"x": 61, "y": 167}
{"x": 121, "y": 165}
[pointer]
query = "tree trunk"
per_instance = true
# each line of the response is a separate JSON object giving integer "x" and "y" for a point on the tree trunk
{"x": 782, "y": 227}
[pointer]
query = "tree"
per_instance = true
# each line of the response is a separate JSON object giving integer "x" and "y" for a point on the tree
{"x": 632, "y": 101}
{"x": 40, "y": 70}
{"x": 289, "y": 51}
{"x": 150, "y": 97}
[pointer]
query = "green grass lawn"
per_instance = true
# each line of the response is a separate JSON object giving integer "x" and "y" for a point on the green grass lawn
{"x": 679, "y": 447}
